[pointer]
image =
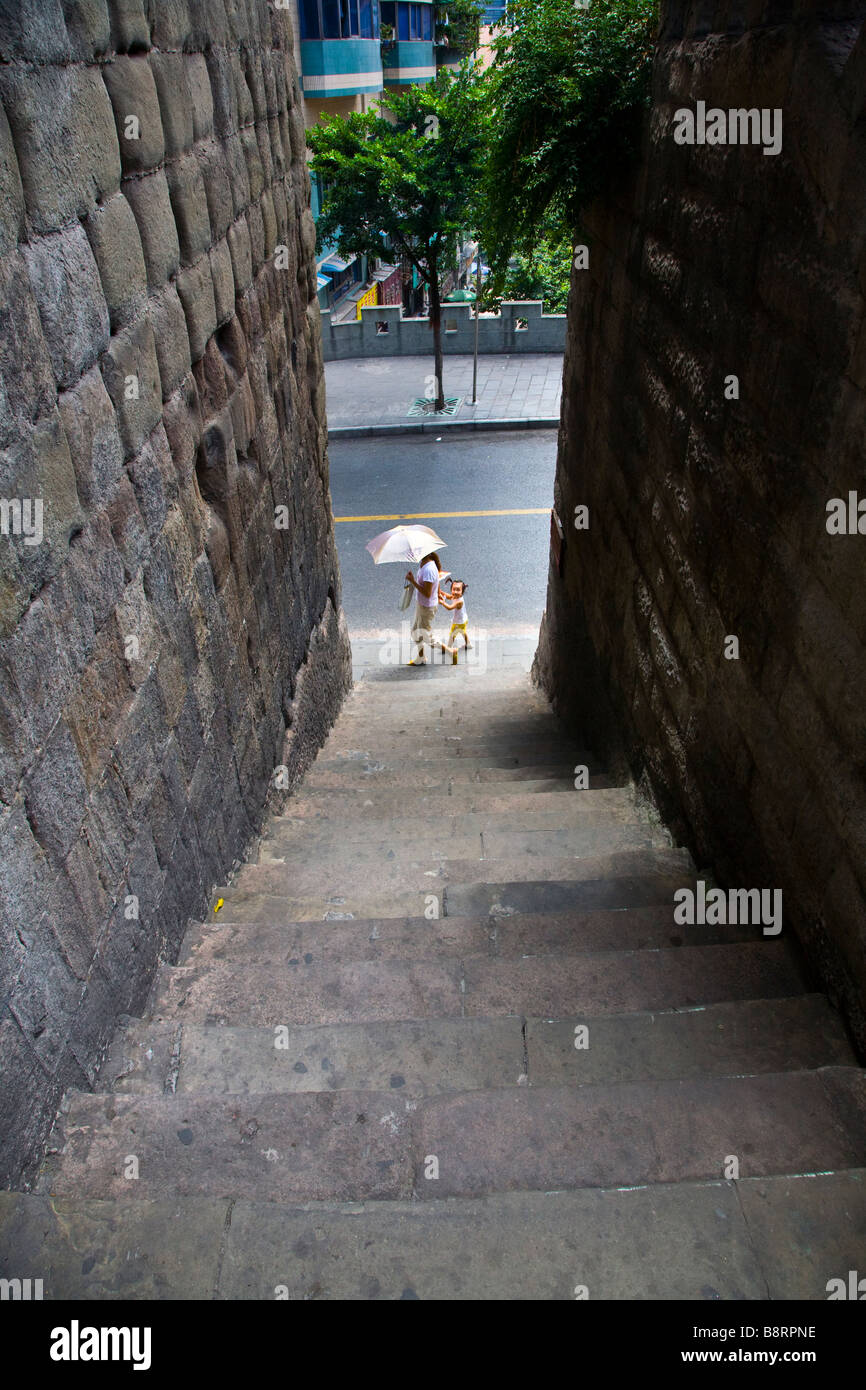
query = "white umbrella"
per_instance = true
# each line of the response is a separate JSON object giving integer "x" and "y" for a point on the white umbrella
{"x": 403, "y": 545}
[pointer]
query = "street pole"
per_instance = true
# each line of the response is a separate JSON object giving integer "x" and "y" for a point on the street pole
{"x": 477, "y": 311}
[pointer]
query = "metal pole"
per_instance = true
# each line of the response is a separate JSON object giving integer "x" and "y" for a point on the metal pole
{"x": 477, "y": 311}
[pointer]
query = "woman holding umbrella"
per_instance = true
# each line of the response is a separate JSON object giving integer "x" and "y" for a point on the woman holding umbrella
{"x": 402, "y": 543}
{"x": 427, "y": 585}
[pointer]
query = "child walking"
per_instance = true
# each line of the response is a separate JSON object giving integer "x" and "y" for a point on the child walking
{"x": 459, "y": 620}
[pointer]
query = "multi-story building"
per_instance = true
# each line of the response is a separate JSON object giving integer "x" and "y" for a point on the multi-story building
{"x": 348, "y": 52}
{"x": 408, "y": 55}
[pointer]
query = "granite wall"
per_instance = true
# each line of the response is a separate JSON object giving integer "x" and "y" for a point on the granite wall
{"x": 170, "y": 622}
{"x": 714, "y": 405}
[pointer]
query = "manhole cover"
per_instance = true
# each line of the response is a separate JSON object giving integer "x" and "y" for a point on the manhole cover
{"x": 422, "y": 406}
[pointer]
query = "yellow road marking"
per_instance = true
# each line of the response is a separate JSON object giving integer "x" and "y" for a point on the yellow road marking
{"x": 417, "y": 516}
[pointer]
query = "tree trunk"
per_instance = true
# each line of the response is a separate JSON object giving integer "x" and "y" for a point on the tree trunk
{"x": 436, "y": 325}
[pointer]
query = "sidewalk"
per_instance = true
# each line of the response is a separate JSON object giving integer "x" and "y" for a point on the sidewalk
{"x": 364, "y": 392}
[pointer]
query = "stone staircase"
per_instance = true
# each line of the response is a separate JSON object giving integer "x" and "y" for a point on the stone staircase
{"x": 365, "y": 1079}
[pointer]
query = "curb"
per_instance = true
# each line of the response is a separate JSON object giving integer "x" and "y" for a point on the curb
{"x": 546, "y": 422}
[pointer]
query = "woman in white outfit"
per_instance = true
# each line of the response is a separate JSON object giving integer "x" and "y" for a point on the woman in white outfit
{"x": 427, "y": 585}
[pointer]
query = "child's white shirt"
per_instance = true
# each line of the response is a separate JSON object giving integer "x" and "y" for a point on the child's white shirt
{"x": 458, "y": 615}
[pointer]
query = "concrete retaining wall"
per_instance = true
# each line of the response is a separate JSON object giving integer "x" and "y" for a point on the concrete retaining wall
{"x": 413, "y": 338}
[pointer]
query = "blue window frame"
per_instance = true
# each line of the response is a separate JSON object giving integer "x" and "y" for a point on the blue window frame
{"x": 309, "y": 18}
{"x": 338, "y": 19}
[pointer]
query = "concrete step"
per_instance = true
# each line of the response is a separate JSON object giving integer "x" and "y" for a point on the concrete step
{"x": 265, "y": 893}
{"x": 369, "y": 1145}
{"x": 415, "y": 777}
{"x": 615, "y": 863}
{"x": 614, "y": 805}
{"x": 406, "y": 771}
{"x": 741, "y": 1037}
{"x": 467, "y": 1054}
{"x": 468, "y": 685}
{"x": 448, "y": 797}
{"x": 454, "y": 722}
{"x": 349, "y": 1145}
{"x": 371, "y": 802}
{"x": 776, "y": 1238}
{"x": 628, "y": 884}
{"x": 279, "y": 942}
{"x": 374, "y": 744}
{"x": 625, "y": 852}
{"x": 542, "y": 1138}
{"x": 415, "y": 1058}
{"x": 430, "y": 682}
{"x": 550, "y": 985}
{"x": 304, "y": 853}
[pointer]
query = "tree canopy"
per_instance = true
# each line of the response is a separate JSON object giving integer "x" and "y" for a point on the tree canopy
{"x": 403, "y": 180}
{"x": 569, "y": 87}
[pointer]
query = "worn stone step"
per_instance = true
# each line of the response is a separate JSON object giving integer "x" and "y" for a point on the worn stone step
{"x": 304, "y": 854}
{"x": 404, "y": 770}
{"x": 279, "y": 941}
{"x": 372, "y": 802}
{"x": 327, "y": 831}
{"x": 374, "y": 1145}
{"x": 776, "y": 1238}
{"x": 549, "y": 985}
{"x": 623, "y": 852}
{"x": 658, "y": 862}
{"x": 262, "y": 995}
{"x": 272, "y": 1147}
{"x": 413, "y": 778}
{"x": 452, "y": 723}
{"x": 741, "y": 1037}
{"x": 416, "y": 938}
{"x": 548, "y": 1137}
{"x": 428, "y": 1057}
{"x": 371, "y": 744}
{"x": 626, "y": 884}
{"x": 448, "y": 797}
{"x": 555, "y": 986}
{"x": 635, "y": 879}
{"x": 461, "y": 682}
{"x": 414, "y": 1057}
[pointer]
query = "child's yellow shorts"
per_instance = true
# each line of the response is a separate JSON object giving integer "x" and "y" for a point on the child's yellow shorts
{"x": 458, "y": 627}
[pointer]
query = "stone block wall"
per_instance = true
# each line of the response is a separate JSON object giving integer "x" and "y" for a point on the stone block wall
{"x": 172, "y": 632}
{"x": 708, "y": 510}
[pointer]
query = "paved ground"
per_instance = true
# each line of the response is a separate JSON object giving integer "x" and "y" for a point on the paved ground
{"x": 375, "y": 391}
{"x": 503, "y": 555}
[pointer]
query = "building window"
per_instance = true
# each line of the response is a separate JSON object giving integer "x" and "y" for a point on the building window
{"x": 330, "y": 19}
{"x": 349, "y": 19}
{"x": 413, "y": 21}
{"x": 339, "y": 19}
{"x": 309, "y": 17}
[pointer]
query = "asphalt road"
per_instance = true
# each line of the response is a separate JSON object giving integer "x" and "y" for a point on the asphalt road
{"x": 504, "y": 559}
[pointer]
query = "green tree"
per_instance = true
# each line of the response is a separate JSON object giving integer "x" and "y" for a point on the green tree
{"x": 458, "y": 24}
{"x": 543, "y": 272}
{"x": 569, "y": 89}
{"x": 405, "y": 179}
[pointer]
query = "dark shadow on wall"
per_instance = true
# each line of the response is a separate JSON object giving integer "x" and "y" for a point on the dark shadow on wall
{"x": 708, "y": 503}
